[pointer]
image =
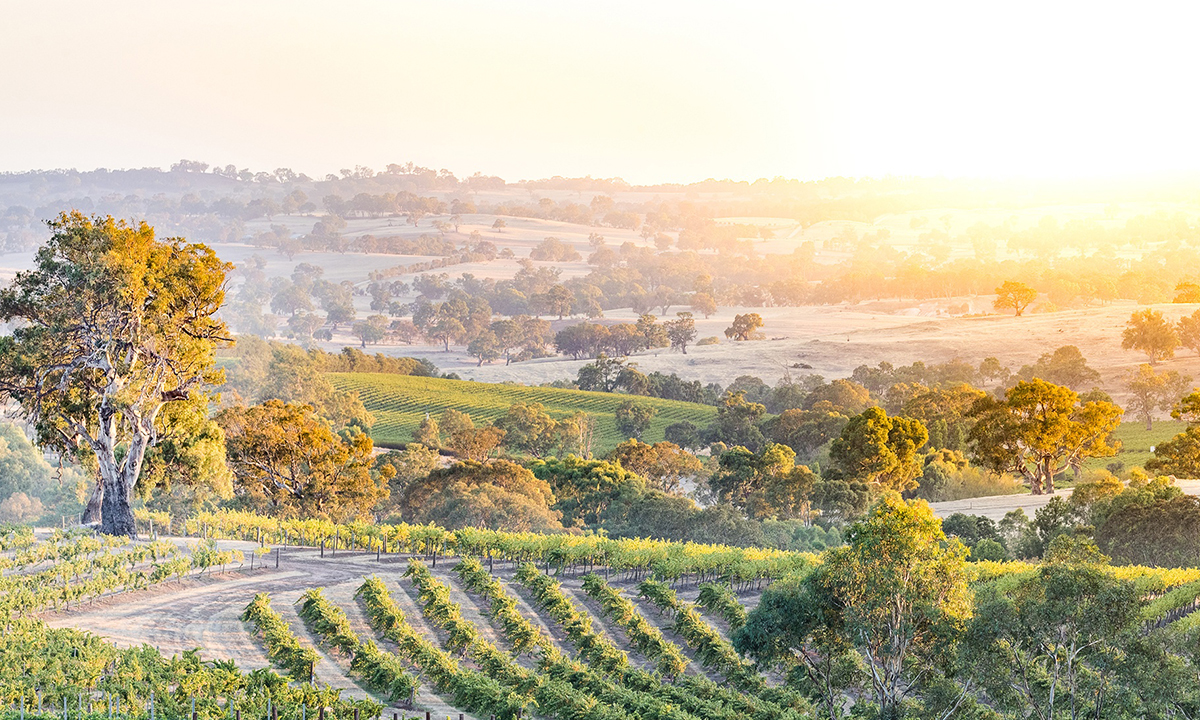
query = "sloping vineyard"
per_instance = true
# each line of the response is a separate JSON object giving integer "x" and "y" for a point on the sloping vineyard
{"x": 400, "y": 402}
{"x": 507, "y": 625}
{"x": 634, "y": 559}
{"x": 63, "y": 672}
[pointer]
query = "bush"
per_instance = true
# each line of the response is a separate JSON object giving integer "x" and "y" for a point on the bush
{"x": 709, "y": 341}
{"x": 1162, "y": 534}
{"x": 942, "y": 481}
{"x": 989, "y": 549}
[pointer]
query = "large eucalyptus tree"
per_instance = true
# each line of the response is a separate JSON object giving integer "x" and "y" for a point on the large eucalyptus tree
{"x": 111, "y": 326}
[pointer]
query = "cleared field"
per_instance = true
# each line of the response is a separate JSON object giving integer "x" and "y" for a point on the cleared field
{"x": 1136, "y": 441}
{"x": 400, "y": 402}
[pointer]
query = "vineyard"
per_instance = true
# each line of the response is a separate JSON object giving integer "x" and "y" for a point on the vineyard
{"x": 400, "y": 402}
{"x": 403, "y": 620}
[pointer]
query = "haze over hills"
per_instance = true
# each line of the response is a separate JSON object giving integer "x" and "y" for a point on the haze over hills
{"x": 845, "y": 272}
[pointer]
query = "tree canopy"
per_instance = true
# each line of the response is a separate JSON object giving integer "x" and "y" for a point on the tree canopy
{"x": 287, "y": 461}
{"x": 1149, "y": 332}
{"x": 498, "y": 495}
{"x": 881, "y": 614}
{"x": 880, "y": 450}
{"x": 1039, "y": 430}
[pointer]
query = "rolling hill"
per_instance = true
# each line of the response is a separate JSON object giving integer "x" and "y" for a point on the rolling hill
{"x": 400, "y": 402}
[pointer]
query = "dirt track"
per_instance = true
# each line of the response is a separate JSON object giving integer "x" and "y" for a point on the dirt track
{"x": 997, "y": 506}
{"x": 204, "y": 612}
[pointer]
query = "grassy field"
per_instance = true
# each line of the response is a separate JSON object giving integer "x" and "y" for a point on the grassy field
{"x": 400, "y": 402}
{"x": 1136, "y": 442}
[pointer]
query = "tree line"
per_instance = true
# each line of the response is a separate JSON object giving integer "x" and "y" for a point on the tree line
{"x": 130, "y": 392}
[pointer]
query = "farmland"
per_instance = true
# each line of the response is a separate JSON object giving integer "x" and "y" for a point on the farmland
{"x": 408, "y": 619}
{"x": 400, "y": 402}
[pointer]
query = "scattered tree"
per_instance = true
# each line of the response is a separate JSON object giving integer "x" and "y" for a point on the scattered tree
{"x": 744, "y": 326}
{"x": 704, "y": 304}
{"x": 529, "y": 428}
{"x": 1189, "y": 331}
{"x": 663, "y": 464}
{"x": 1151, "y": 391}
{"x": 287, "y": 462}
{"x": 633, "y": 418}
{"x": 880, "y": 450}
{"x": 1149, "y": 332}
{"x": 1065, "y": 366}
{"x": 1015, "y": 296}
{"x": 499, "y": 495}
{"x": 1039, "y": 430}
{"x": 681, "y": 332}
{"x": 882, "y": 613}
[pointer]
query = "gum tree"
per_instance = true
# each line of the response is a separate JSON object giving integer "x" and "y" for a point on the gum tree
{"x": 112, "y": 325}
{"x": 1039, "y": 430}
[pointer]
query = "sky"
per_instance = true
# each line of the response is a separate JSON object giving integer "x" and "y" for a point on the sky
{"x": 648, "y": 91}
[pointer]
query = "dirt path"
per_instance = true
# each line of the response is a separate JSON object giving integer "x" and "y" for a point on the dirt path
{"x": 997, "y": 506}
{"x": 205, "y": 613}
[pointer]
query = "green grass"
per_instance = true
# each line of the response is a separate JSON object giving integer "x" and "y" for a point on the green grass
{"x": 400, "y": 402}
{"x": 1136, "y": 442}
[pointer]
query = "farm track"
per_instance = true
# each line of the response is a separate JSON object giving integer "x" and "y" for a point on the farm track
{"x": 205, "y": 613}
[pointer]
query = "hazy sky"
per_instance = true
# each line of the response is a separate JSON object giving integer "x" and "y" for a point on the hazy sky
{"x": 650, "y": 91}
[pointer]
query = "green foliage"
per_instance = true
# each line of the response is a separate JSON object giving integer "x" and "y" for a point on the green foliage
{"x": 744, "y": 326}
{"x": 643, "y": 636}
{"x": 1065, "y": 366}
{"x": 287, "y": 461}
{"x": 599, "y": 652}
{"x": 805, "y": 431}
{"x": 586, "y": 491}
{"x": 283, "y": 647}
{"x": 1055, "y": 641}
{"x": 720, "y": 599}
{"x": 1039, "y": 430}
{"x": 896, "y": 597}
{"x": 379, "y": 670}
{"x": 1149, "y": 332}
{"x": 947, "y": 475}
{"x": 880, "y": 450}
{"x": 22, "y": 467}
{"x": 764, "y": 484}
{"x": 663, "y": 559}
{"x": 713, "y": 651}
{"x": 528, "y": 428}
{"x": 473, "y": 691}
{"x": 663, "y": 464}
{"x": 1178, "y": 456}
{"x": 113, "y": 325}
{"x": 1162, "y": 533}
{"x": 59, "y": 665}
{"x": 293, "y": 375}
{"x": 500, "y": 495}
{"x": 523, "y": 636}
{"x": 737, "y": 422}
{"x": 633, "y": 418}
{"x": 1135, "y": 443}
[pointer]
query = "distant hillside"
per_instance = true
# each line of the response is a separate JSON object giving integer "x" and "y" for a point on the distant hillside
{"x": 400, "y": 402}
